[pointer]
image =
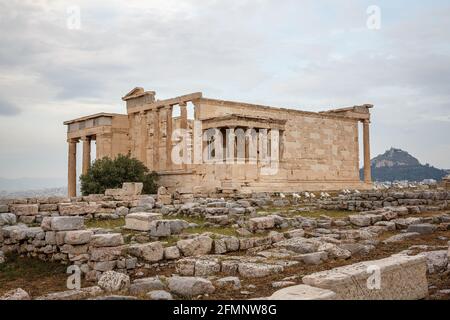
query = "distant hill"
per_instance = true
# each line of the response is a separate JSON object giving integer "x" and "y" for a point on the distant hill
{"x": 396, "y": 164}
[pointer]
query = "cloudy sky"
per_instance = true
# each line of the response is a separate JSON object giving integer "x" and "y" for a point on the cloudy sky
{"x": 310, "y": 55}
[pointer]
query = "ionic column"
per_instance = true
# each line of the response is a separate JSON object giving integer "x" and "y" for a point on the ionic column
{"x": 86, "y": 154}
{"x": 366, "y": 138}
{"x": 168, "y": 137}
{"x": 72, "y": 168}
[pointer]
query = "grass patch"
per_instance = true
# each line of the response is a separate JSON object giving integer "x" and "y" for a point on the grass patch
{"x": 329, "y": 213}
{"x": 33, "y": 275}
{"x": 105, "y": 224}
{"x": 170, "y": 240}
{"x": 268, "y": 211}
{"x": 190, "y": 219}
{"x": 291, "y": 212}
{"x": 227, "y": 231}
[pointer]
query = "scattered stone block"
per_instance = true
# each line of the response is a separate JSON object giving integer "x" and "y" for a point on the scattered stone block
{"x": 402, "y": 278}
{"x": 107, "y": 240}
{"x": 188, "y": 287}
{"x": 83, "y": 293}
{"x": 103, "y": 266}
{"x": 258, "y": 270}
{"x": 16, "y": 294}
{"x": 186, "y": 266}
{"x": 24, "y": 209}
{"x": 165, "y": 228}
{"x": 233, "y": 283}
{"x": 150, "y": 252}
{"x": 159, "y": 295}
{"x": 62, "y": 223}
{"x": 78, "y": 237}
{"x": 299, "y": 245}
{"x": 144, "y": 285}
{"x": 112, "y": 281}
{"x": 334, "y": 251}
{"x": 171, "y": 253}
{"x": 296, "y": 233}
{"x": 197, "y": 246}
{"x": 437, "y": 261}
{"x": 7, "y": 219}
{"x": 261, "y": 223}
{"x": 122, "y": 211}
{"x": 231, "y": 243}
{"x": 313, "y": 258}
{"x": 132, "y": 188}
{"x": 303, "y": 292}
{"x": 423, "y": 228}
{"x": 206, "y": 267}
{"x": 106, "y": 253}
{"x": 401, "y": 237}
{"x": 360, "y": 220}
{"x": 82, "y": 208}
{"x": 141, "y": 221}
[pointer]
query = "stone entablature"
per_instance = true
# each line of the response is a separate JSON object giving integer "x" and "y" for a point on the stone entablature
{"x": 314, "y": 150}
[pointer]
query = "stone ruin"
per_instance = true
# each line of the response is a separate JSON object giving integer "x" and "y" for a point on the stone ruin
{"x": 266, "y": 234}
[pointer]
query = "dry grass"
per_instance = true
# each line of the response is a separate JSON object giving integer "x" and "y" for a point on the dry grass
{"x": 329, "y": 213}
{"x": 105, "y": 224}
{"x": 33, "y": 275}
{"x": 227, "y": 231}
{"x": 190, "y": 219}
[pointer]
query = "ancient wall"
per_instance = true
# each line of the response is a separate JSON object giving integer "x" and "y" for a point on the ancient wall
{"x": 53, "y": 228}
{"x": 319, "y": 152}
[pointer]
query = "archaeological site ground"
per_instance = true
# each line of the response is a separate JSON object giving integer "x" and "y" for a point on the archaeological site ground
{"x": 302, "y": 246}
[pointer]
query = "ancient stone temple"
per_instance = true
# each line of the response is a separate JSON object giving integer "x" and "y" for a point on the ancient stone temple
{"x": 202, "y": 145}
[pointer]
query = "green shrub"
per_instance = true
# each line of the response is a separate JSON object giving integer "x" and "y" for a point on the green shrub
{"x": 107, "y": 173}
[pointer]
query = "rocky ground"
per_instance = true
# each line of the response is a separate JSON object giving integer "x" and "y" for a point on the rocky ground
{"x": 232, "y": 249}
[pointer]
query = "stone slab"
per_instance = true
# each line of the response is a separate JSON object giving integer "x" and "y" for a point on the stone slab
{"x": 303, "y": 292}
{"x": 141, "y": 221}
{"x": 402, "y": 277}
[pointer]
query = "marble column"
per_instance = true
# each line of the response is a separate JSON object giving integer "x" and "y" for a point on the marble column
{"x": 72, "y": 168}
{"x": 156, "y": 142}
{"x": 86, "y": 154}
{"x": 184, "y": 127}
{"x": 168, "y": 137}
{"x": 144, "y": 137}
{"x": 183, "y": 115}
{"x": 366, "y": 139}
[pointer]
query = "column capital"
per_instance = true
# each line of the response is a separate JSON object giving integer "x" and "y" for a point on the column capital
{"x": 73, "y": 140}
{"x": 86, "y": 138}
{"x": 182, "y": 104}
